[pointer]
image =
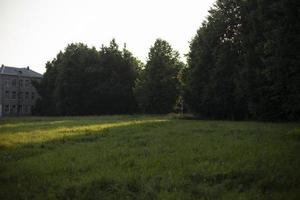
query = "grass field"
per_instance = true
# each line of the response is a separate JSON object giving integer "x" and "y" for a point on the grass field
{"x": 147, "y": 157}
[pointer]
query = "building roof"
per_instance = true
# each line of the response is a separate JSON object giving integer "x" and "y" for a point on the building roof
{"x": 27, "y": 72}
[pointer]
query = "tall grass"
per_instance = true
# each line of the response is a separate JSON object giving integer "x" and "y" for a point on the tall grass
{"x": 147, "y": 157}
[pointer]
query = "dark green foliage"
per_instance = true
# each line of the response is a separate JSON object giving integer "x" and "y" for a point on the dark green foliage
{"x": 213, "y": 85}
{"x": 244, "y": 61}
{"x": 158, "y": 86}
{"x": 83, "y": 81}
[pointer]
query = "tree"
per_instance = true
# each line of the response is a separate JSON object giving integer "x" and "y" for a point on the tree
{"x": 82, "y": 80}
{"x": 71, "y": 86}
{"x": 279, "y": 54}
{"x": 113, "y": 81}
{"x": 158, "y": 87}
{"x": 213, "y": 85}
{"x": 244, "y": 62}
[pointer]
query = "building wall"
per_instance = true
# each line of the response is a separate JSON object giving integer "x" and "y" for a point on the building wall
{"x": 1, "y": 86}
{"x": 18, "y": 96}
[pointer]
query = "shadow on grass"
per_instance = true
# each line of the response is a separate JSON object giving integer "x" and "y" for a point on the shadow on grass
{"x": 194, "y": 186}
{"x": 123, "y": 130}
{"x": 108, "y": 188}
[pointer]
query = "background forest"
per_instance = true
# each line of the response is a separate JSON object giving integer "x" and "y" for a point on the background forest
{"x": 243, "y": 64}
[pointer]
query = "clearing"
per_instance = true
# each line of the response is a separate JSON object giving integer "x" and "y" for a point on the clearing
{"x": 147, "y": 157}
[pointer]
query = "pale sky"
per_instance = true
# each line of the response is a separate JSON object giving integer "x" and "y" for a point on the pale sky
{"x": 32, "y": 32}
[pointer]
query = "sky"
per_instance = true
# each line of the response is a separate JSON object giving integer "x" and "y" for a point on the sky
{"x": 32, "y": 32}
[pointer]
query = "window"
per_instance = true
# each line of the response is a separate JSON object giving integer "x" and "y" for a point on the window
{"x": 20, "y": 108}
{"x": 6, "y": 108}
{"x": 7, "y": 94}
{"x": 20, "y": 95}
{"x": 27, "y": 83}
{"x": 14, "y": 82}
{"x": 14, "y": 95}
{"x": 21, "y": 83}
{"x": 32, "y": 95}
{"x": 26, "y": 95}
{"x": 13, "y": 109}
{"x": 26, "y": 109}
{"x": 6, "y": 83}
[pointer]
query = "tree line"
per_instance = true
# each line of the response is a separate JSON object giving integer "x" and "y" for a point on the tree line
{"x": 243, "y": 63}
{"x": 85, "y": 81}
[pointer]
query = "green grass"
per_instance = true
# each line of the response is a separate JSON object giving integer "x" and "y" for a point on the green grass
{"x": 147, "y": 157}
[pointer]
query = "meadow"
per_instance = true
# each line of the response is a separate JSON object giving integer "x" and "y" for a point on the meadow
{"x": 147, "y": 157}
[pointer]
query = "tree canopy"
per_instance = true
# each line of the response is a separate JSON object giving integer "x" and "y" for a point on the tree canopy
{"x": 82, "y": 80}
{"x": 244, "y": 61}
{"x": 158, "y": 86}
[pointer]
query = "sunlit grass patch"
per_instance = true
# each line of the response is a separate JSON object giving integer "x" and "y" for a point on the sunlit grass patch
{"x": 37, "y": 135}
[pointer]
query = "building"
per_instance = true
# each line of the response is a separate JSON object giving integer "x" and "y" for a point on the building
{"x": 17, "y": 94}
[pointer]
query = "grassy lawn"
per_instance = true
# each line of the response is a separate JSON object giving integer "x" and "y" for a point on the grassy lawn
{"x": 147, "y": 157}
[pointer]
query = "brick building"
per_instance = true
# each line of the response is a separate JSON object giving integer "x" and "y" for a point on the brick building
{"x": 17, "y": 94}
